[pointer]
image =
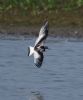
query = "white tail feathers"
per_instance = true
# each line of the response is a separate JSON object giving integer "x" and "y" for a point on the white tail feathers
{"x": 31, "y": 51}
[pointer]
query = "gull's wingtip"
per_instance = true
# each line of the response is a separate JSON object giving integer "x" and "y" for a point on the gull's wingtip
{"x": 46, "y": 22}
{"x": 38, "y": 65}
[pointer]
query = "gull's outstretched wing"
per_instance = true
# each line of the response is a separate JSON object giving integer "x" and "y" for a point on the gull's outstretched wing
{"x": 38, "y": 58}
{"x": 42, "y": 35}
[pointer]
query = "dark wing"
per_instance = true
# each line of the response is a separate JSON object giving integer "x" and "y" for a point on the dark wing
{"x": 38, "y": 58}
{"x": 42, "y": 35}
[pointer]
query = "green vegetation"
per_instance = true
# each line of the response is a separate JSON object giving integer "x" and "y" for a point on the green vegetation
{"x": 39, "y": 4}
{"x": 22, "y": 11}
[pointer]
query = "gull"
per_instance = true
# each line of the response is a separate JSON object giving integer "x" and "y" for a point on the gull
{"x": 39, "y": 48}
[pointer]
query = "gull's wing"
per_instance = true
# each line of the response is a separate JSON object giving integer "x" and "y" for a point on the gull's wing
{"x": 42, "y": 35}
{"x": 38, "y": 58}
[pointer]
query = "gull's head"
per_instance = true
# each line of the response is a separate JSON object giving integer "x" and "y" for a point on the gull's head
{"x": 30, "y": 50}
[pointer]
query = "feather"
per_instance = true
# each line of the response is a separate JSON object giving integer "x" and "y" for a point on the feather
{"x": 42, "y": 35}
{"x": 38, "y": 58}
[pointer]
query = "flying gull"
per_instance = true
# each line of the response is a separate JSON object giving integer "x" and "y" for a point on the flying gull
{"x": 39, "y": 48}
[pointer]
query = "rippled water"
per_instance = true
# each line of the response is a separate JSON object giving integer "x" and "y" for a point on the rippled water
{"x": 59, "y": 78}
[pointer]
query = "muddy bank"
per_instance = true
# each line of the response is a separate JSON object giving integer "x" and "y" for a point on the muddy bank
{"x": 61, "y": 23}
{"x": 34, "y": 30}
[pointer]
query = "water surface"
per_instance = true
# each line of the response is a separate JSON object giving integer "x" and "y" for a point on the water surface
{"x": 59, "y": 78}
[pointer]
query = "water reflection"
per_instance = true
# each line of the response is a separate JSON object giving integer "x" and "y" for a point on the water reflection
{"x": 36, "y": 95}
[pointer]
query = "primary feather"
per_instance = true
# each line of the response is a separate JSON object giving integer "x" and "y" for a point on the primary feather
{"x": 42, "y": 35}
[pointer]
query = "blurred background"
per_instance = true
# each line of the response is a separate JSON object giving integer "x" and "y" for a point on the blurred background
{"x": 32, "y": 12}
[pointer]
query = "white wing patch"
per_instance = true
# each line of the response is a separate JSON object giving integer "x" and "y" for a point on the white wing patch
{"x": 38, "y": 39}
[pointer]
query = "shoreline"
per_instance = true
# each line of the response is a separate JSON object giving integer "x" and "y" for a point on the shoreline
{"x": 75, "y": 32}
{"x": 61, "y": 23}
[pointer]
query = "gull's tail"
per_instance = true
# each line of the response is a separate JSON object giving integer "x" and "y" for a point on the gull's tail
{"x": 30, "y": 50}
